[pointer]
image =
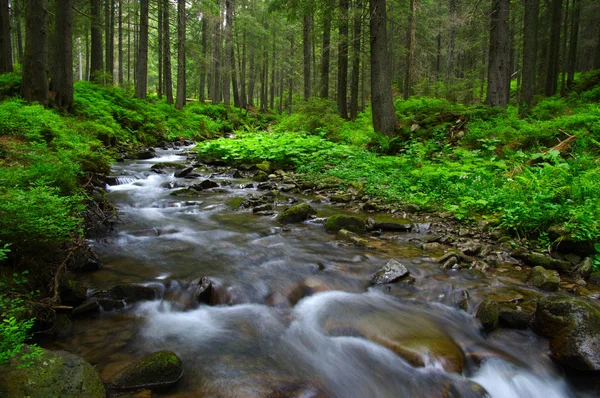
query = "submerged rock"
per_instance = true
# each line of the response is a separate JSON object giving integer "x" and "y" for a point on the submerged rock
{"x": 543, "y": 279}
{"x": 391, "y": 272}
{"x": 489, "y": 314}
{"x": 535, "y": 259}
{"x": 56, "y": 374}
{"x": 352, "y": 238}
{"x": 572, "y": 326}
{"x": 183, "y": 173}
{"x": 160, "y": 369}
{"x": 341, "y": 221}
{"x": 206, "y": 184}
{"x": 296, "y": 213}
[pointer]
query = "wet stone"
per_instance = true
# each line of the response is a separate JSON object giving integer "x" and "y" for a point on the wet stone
{"x": 488, "y": 314}
{"x": 391, "y": 272}
{"x": 159, "y": 369}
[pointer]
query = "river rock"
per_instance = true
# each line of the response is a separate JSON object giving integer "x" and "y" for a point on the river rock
{"x": 143, "y": 155}
{"x": 594, "y": 278}
{"x": 117, "y": 296}
{"x": 88, "y": 307}
{"x": 585, "y": 268}
{"x": 204, "y": 291}
{"x": 263, "y": 208}
{"x": 183, "y": 172}
{"x": 535, "y": 259}
{"x": 71, "y": 292}
{"x": 206, "y": 184}
{"x": 184, "y": 192}
{"x": 296, "y": 213}
{"x": 543, "y": 279}
{"x": 353, "y": 238}
{"x": 393, "y": 226}
{"x": 160, "y": 369}
{"x": 516, "y": 316}
{"x": 391, "y": 272}
{"x": 56, "y": 374}
{"x": 341, "y": 221}
{"x": 572, "y": 326}
{"x": 260, "y": 176}
{"x": 264, "y": 166}
{"x": 488, "y": 313}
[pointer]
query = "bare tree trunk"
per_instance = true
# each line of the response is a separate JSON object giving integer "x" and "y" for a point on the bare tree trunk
{"x": 325, "y": 58}
{"x": 6, "y": 64}
{"x": 410, "y": 57}
{"x": 530, "y": 29}
{"x": 306, "y": 27}
{"x": 160, "y": 44}
{"x": 62, "y": 81}
{"x": 355, "y": 73}
{"x": 141, "y": 86}
{"x": 342, "y": 89}
{"x": 120, "y": 33}
{"x": 573, "y": 43}
{"x": 227, "y": 67}
{"x": 498, "y": 89}
{"x": 384, "y": 115}
{"x": 234, "y": 80}
{"x": 563, "y": 51}
{"x": 553, "y": 50}
{"x": 96, "y": 63}
{"x": 181, "y": 89}
{"x": 204, "y": 62}
{"x": 34, "y": 85}
{"x": 243, "y": 97}
{"x": 451, "y": 60}
{"x": 168, "y": 80}
{"x": 291, "y": 77}
{"x": 272, "y": 92}
{"x": 18, "y": 8}
{"x": 109, "y": 15}
{"x": 128, "y": 45}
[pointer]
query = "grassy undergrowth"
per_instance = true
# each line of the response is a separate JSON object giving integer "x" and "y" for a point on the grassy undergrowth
{"x": 474, "y": 161}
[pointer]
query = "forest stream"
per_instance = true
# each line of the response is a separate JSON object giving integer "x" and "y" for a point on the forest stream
{"x": 293, "y": 313}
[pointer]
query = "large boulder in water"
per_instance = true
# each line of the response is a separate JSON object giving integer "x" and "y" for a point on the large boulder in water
{"x": 572, "y": 325}
{"x": 341, "y": 221}
{"x": 56, "y": 374}
{"x": 297, "y": 213}
{"x": 160, "y": 369}
{"x": 489, "y": 314}
{"x": 543, "y": 279}
{"x": 391, "y": 272}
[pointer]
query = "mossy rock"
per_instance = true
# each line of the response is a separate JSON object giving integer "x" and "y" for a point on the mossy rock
{"x": 543, "y": 279}
{"x": 56, "y": 374}
{"x": 235, "y": 202}
{"x": 260, "y": 176}
{"x": 185, "y": 192}
{"x": 539, "y": 259}
{"x": 594, "y": 278}
{"x": 264, "y": 166}
{"x": 160, "y": 369}
{"x": 168, "y": 165}
{"x": 297, "y": 213}
{"x": 341, "y": 221}
{"x": 488, "y": 313}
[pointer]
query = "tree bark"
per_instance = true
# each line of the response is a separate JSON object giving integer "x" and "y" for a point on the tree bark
{"x": 167, "y": 76}
{"x": 18, "y": 8}
{"x": 160, "y": 45}
{"x": 573, "y": 43}
{"x": 498, "y": 89}
{"x": 306, "y": 27}
{"x": 34, "y": 84}
{"x": 228, "y": 51}
{"x": 272, "y": 86}
{"x": 120, "y": 34}
{"x": 291, "y": 77}
{"x": 6, "y": 64}
{"x": 181, "y": 89}
{"x": 204, "y": 61}
{"x": 141, "y": 86}
{"x": 326, "y": 51}
{"x": 96, "y": 62}
{"x": 451, "y": 60}
{"x": 384, "y": 114}
{"x": 355, "y": 73}
{"x": 342, "y": 88}
{"x": 109, "y": 13}
{"x": 62, "y": 81}
{"x": 553, "y": 50}
{"x": 243, "y": 96}
{"x": 410, "y": 57}
{"x": 530, "y": 29}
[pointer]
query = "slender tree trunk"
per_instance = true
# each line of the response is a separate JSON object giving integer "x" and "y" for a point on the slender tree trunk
{"x": 530, "y": 29}
{"x": 6, "y": 64}
{"x": 438, "y": 61}
{"x": 79, "y": 60}
{"x": 563, "y": 50}
{"x": 384, "y": 115}
{"x": 141, "y": 86}
{"x": 120, "y": 34}
{"x": 18, "y": 15}
{"x": 451, "y": 60}
{"x": 272, "y": 93}
{"x": 87, "y": 54}
{"x": 109, "y": 13}
{"x": 234, "y": 80}
{"x": 228, "y": 66}
{"x": 573, "y": 43}
{"x": 34, "y": 84}
{"x": 264, "y": 80}
{"x": 553, "y": 50}
{"x": 342, "y": 89}
{"x": 62, "y": 81}
{"x": 325, "y": 57}
{"x": 160, "y": 45}
{"x": 354, "y": 75}
{"x": 410, "y": 57}
{"x": 204, "y": 61}
{"x": 498, "y": 89}
{"x": 217, "y": 43}
{"x": 306, "y": 27}
{"x": 96, "y": 63}
{"x": 180, "y": 101}
{"x": 128, "y": 44}
{"x": 168, "y": 80}
{"x": 291, "y": 77}
{"x": 243, "y": 97}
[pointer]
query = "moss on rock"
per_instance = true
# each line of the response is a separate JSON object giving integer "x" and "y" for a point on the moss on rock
{"x": 159, "y": 369}
{"x": 341, "y": 221}
{"x": 488, "y": 313}
{"x": 297, "y": 213}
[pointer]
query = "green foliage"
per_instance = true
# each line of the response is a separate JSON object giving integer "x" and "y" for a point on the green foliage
{"x": 316, "y": 116}
{"x": 10, "y": 85}
{"x": 15, "y": 323}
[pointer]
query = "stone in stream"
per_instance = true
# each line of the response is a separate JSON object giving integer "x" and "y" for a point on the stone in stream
{"x": 204, "y": 291}
{"x": 206, "y": 184}
{"x": 160, "y": 369}
{"x": 353, "y": 238}
{"x": 143, "y": 155}
{"x": 391, "y": 272}
{"x": 183, "y": 173}
{"x": 341, "y": 221}
{"x": 296, "y": 213}
{"x": 572, "y": 326}
{"x": 543, "y": 279}
{"x": 489, "y": 314}
{"x": 260, "y": 176}
{"x": 585, "y": 268}
{"x": 392, "y": 226}
{"x": 56, "y": 374}
{"x": 535, "y": 259}
{"x": 263, "y": 208}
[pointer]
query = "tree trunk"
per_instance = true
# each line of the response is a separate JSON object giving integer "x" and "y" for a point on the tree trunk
{"x": 553, "y": 50}
{"x": 108, "y": 29}
{"x": 168, "y": 80}
{"x": 234, "y": 80}
{"x": 573, "y": 43}
{"x": 243, "y": 97}
{"x": 96, "y": 63}
{"x": 306, "y": 26}
{"x": 384, "y": 114}
{"x": 563, "y": 50}
{"x": 120, "y": 33}
{"x": 180, "y": 100}
{"x": 34, "y": 84}
{"x": 128, "y": 45}
{"x": 160, "y": 45}
{"x": 204, "y": 61}
{"x": 272, "y": 92}
{"x": 18, "y": 8}
{"x": 530, "y": 29}
{"x": 325, "y": 58}
{"x": 291, "y": 76}
{"x": 62, "y": 81}
{"x": 5, "y": 39}
{"x": 228, "y": 66}
{"x": 451, "y": 60}
{"x": 217, "y": 43}
{"x": 342, "y": 89}
{"x": 410, "y": 57}
{"x": 355, "y": 73}
{"x": 498, "y": 89}
{"x": 141, "y": 86}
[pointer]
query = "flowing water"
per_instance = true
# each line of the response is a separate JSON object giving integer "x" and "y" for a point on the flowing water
{"x": 298, "y": 317}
